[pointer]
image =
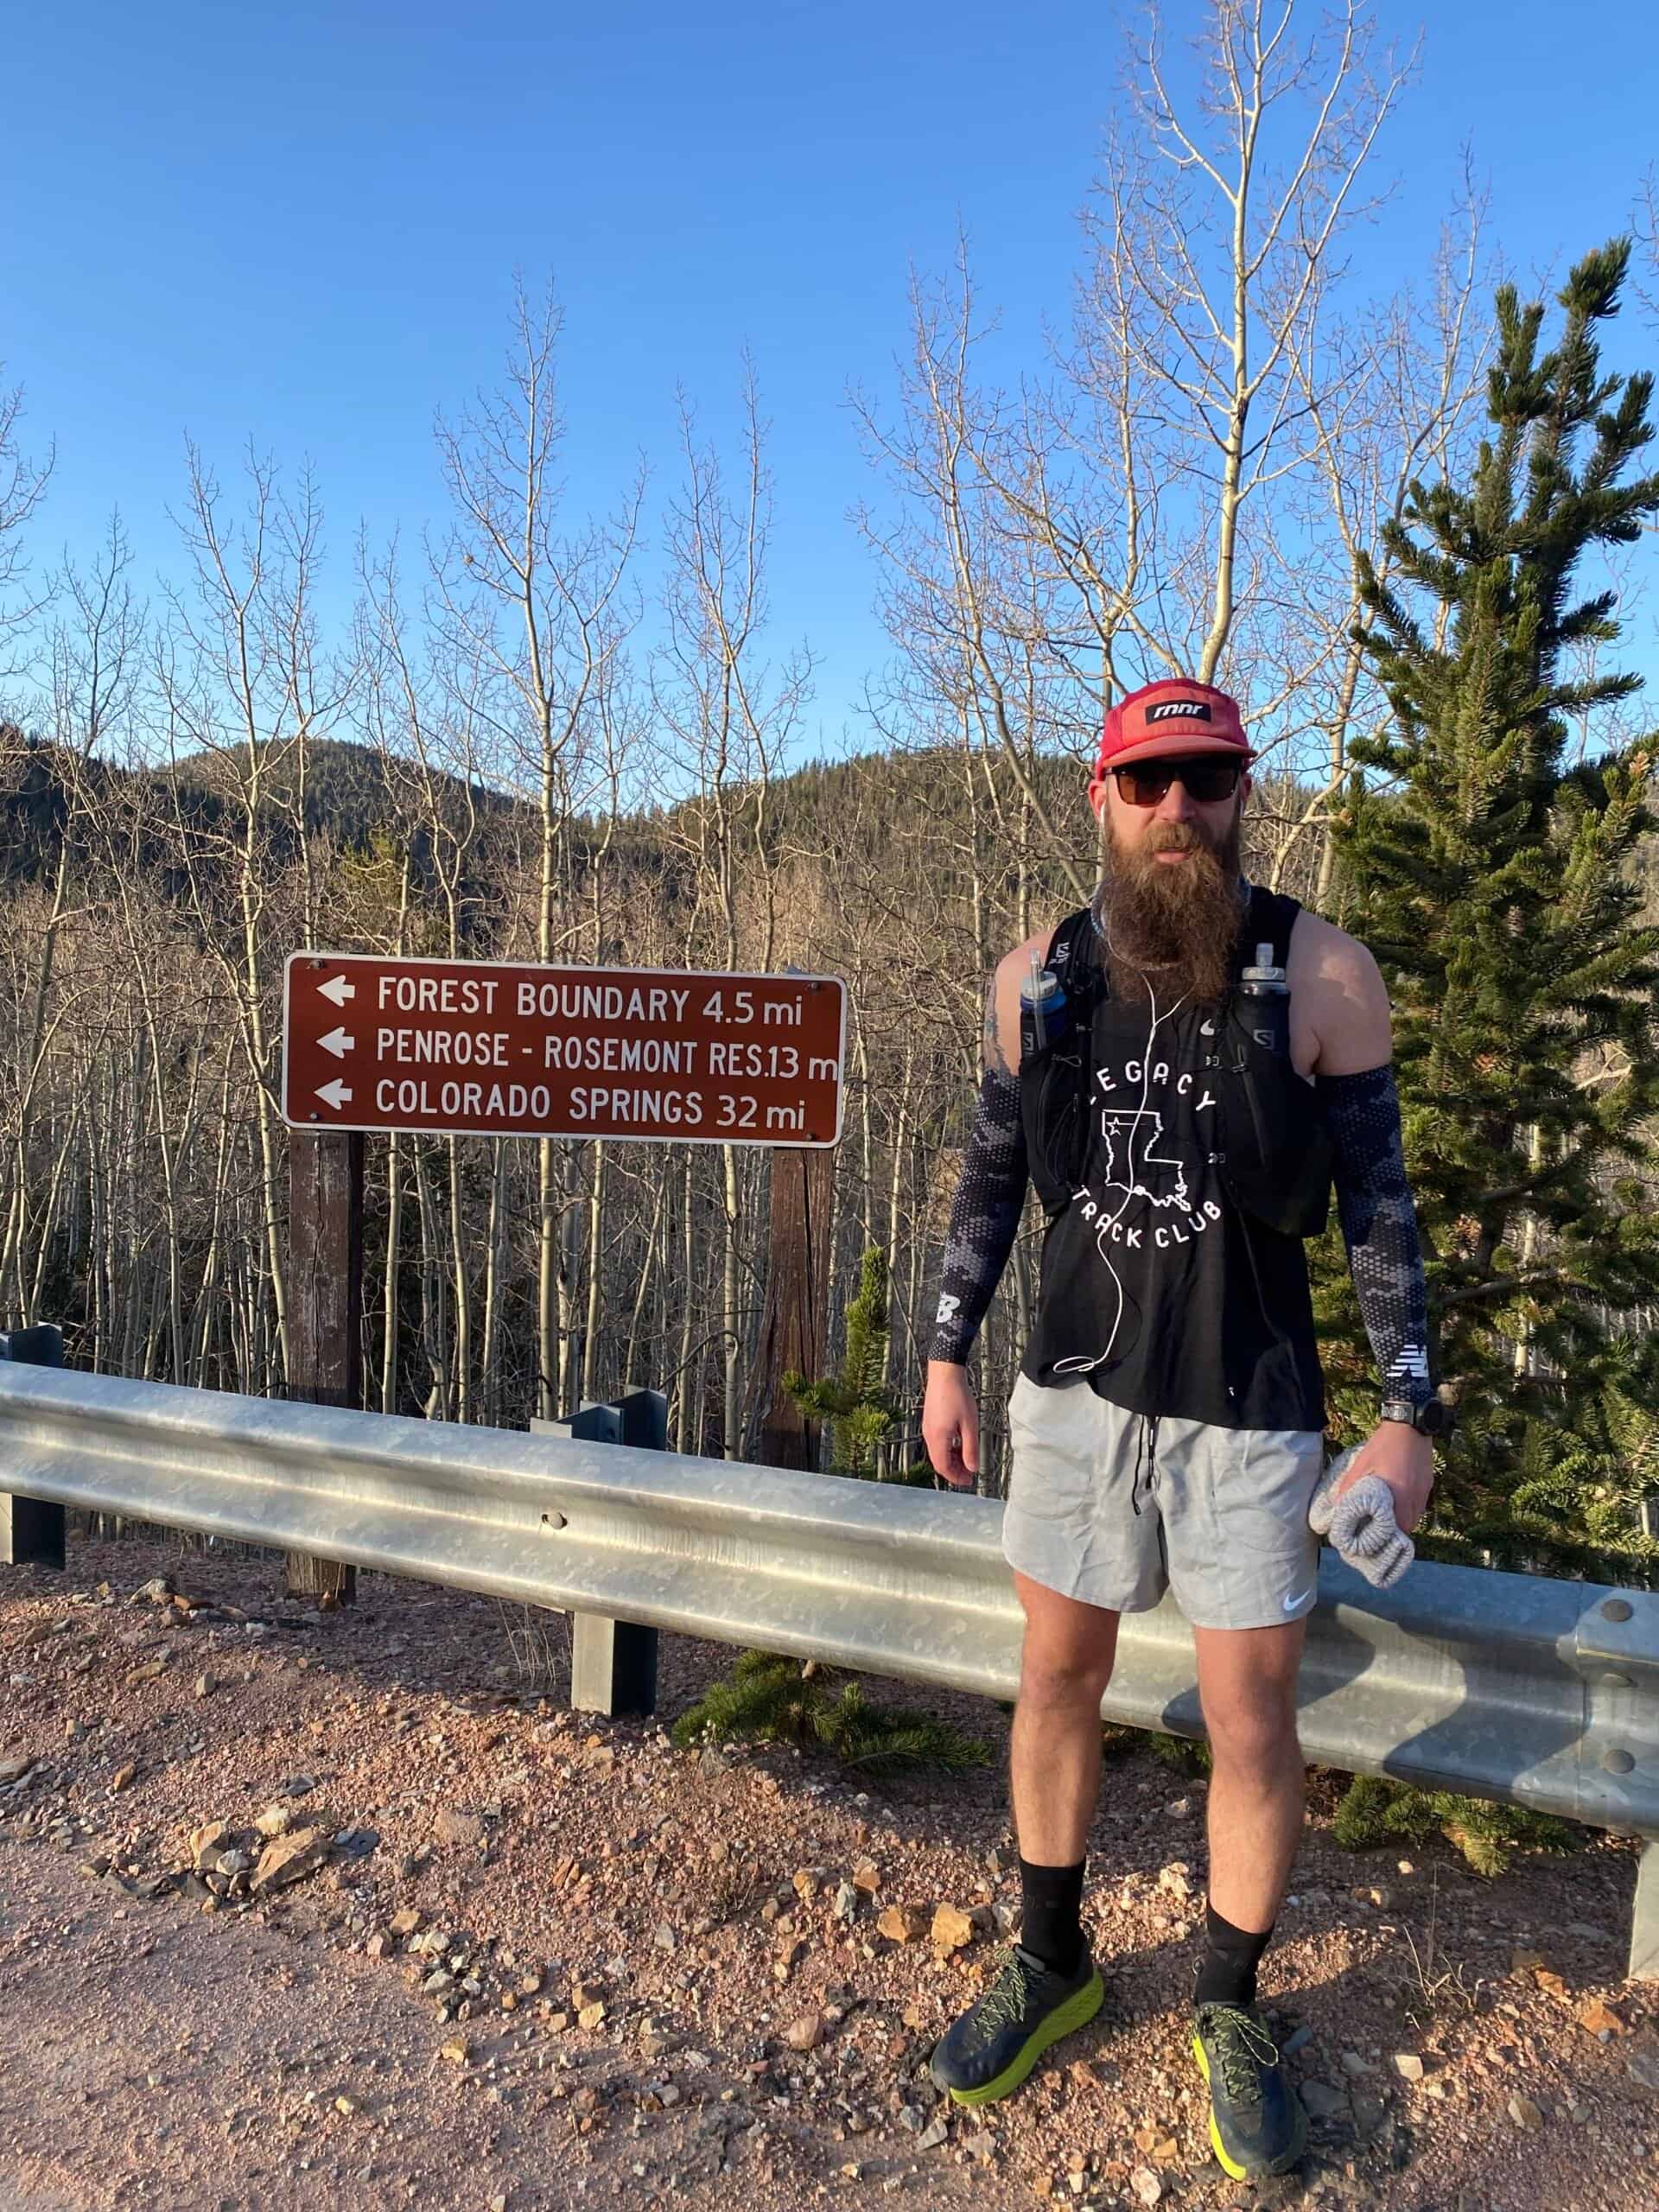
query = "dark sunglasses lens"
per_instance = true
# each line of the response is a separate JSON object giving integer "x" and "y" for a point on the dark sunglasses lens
{"x": 1205, "y": 781}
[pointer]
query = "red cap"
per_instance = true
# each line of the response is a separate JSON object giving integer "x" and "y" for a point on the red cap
{"x": 1173, "y": 716}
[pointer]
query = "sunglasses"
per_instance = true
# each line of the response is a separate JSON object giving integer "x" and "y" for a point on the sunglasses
{"x": 1206, "y": 778}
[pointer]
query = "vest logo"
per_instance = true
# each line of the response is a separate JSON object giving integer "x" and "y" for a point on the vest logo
{"x": 1185, "y": 710}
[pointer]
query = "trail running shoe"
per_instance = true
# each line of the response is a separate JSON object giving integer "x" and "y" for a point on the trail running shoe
{"x": 992, "y": 2048}
{"x": 1257, "y": 2126}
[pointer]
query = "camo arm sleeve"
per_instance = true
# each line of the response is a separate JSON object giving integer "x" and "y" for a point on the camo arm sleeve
{"x": 1379, "y": 1226}
{"x": 984, "y": 1216}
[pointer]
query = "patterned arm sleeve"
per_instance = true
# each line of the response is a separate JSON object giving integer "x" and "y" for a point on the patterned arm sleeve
{"x": 1379, "y": 1226}
{"x": 984, "y": 1217}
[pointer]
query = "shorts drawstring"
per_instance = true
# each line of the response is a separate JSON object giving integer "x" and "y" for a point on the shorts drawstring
{"x": 1146, "y": 1449}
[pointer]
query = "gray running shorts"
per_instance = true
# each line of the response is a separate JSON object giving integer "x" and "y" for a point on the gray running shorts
{"x": 1114, "y": 1508}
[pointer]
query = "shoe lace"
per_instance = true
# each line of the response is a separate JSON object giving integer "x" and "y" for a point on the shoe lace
{"x": 1007, "y": 1997}
{"x": 1241, "y": 2049}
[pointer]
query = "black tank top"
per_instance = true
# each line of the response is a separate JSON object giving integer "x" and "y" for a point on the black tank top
{"x": 1162, "y": 1286}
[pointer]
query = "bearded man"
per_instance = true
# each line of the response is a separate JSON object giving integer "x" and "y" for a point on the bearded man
{"x": 1180, "y": 1069}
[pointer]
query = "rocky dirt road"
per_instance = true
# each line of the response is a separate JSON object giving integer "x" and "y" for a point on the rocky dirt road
{"x": 343, "y": 1909}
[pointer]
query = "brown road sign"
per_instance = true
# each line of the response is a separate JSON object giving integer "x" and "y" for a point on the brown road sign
{"x": 486, "y": 1048}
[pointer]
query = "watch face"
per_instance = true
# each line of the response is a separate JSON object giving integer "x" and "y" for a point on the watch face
{"x": 1435, "y": 1418}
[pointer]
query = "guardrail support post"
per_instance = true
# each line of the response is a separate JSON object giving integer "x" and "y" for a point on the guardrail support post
{"x": 1644, "y": 1918}
{"x": 31, "y": 1533}
{"x": 613, "y": 1663}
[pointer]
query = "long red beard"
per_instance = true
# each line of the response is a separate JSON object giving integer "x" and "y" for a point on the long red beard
{"x": 1175, "y": 928}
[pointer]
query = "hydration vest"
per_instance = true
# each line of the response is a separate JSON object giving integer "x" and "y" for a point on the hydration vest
{"x": 1181, "y": 1162}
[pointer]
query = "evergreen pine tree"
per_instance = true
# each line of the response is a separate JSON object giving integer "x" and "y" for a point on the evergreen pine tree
{"x": 858, "y": 1408}
{"x": 1487, "y": 863}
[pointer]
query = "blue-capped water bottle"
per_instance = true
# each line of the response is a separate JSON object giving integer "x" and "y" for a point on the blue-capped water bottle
{"x": 1042, "y": 1008}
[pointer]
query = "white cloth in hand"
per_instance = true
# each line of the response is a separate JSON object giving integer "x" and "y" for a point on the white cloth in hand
{"x": 1360, "y": 1524}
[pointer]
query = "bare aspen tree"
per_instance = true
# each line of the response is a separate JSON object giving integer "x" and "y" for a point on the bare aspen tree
{"x": 93, "y": 649}
{"x": 728, "y": 716}
{"x": 23, "y": 486}
{"x": 539, "y": 614}
{"x": 246, "y": 695}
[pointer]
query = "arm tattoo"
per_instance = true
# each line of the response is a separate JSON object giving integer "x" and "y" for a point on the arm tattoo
{"x": 996, "y": 1060}
{"x": 1379, "y": 1226}
{"x": 984, "y": 1217}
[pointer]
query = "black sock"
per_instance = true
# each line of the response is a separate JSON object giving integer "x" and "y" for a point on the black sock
{"x": 1051, "y": 1902}
{"x": 1231, "y": 1956}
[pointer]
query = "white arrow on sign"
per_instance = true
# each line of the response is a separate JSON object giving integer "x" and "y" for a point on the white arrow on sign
{"x": 337, "y": 1042}
{"x": 334, "y": 1093}
{"x": 337, "y": 989}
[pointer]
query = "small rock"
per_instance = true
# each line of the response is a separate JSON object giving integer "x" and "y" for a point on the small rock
{"x": 805, "y": 1884}
{"x": 1599, "y": 2018}
{"x": 1323, "y": 2101}
{"x": 378, "y": 1945}
{"x": 901, "y": 1923}
{"x": 457, "y": 2053}
{"x": 1174, "y": 1880}
{"x": 1407, "y": 2066}
{"x": 664, "y": 1937}
{"x": 36, "y": 1632}
{"x": 405, "y": 1919}
{"x": 1643, "y": 2065}
{"x": 933, "y": 2134}
{"x": 205, "y": 1844}
{"x": 452, "y": 1827}
{"x": 867, "y": 1875}
{"x": 846, "y": 1903}
{"x": 1298, "y": 2039}
{"x": 1147, "y": 2185}
{"x": 1355, "y": 2066}
{"x": 952, "y": 1930}
{"x": 591, "y": 2016}
{"x": 346, "y": 2104}
{"x": 207, "y": 1684}
{"x": 124, "y": 1775}
{"x": 1179, "y": 1808}
{"x": 804, "y": 2034}
{"x": 14, "y": 1770}
{"x": 231, "y": 1863}
{"x": 1525, "y": 2113}
{"x": 290, "y": 1859}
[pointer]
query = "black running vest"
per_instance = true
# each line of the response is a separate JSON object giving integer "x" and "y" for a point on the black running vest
{"x": 1181, "y": 1160}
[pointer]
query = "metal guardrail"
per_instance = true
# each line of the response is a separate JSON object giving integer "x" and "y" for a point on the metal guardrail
{"x": 1539, "y": 1692}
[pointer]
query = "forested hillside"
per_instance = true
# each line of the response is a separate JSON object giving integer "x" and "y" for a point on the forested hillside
{"x": 1401, "y": 532}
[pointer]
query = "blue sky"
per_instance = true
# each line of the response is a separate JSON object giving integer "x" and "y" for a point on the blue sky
{"x": 303, "y": 223}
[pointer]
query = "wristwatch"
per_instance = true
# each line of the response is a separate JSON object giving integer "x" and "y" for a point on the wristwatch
{"x": 1433, "y": 1419}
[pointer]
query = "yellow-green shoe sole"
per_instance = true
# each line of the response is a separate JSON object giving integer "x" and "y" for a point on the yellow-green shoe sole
{"x": 1281, "y": 2165}
{"x": 1076, "y": 2012}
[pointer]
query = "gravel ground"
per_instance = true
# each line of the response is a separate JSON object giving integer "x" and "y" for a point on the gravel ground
{"x": 412, "y": 2020}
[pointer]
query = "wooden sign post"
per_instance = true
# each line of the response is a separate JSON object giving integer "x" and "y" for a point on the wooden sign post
{"x": 796, "y": 1327}
{"x": 325, "y": 1307}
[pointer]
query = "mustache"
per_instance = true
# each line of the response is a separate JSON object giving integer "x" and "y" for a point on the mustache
{"x": 1176, "y": 837}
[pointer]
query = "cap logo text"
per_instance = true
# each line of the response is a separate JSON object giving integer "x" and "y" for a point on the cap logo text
{"x": 1195, "y": 710}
